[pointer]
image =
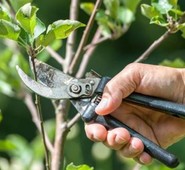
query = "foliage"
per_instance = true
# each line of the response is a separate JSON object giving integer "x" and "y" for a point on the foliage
{"x": 115, "y": 18}
{"x": 176, "y": 63}
{"x": 30, "y": 32}
{"x": 79, "y": 167}
{"x": 165, "y": 13}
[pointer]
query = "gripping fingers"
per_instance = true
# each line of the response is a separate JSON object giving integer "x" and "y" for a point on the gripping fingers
{"x": 143, "y": 158}
{"x": 96, "y": 132}
{"x": 133, "y": 149}
{"x": 117, "y": 138}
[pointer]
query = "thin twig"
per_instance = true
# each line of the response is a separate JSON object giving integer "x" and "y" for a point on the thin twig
{"x": 55, "y": 55}
{"x": 61, "y": 133}
{"x": 39, "y": 111}
{"x": 101, "y": 40}
{"x": 152, "y": 47}
{"x": 72, "y": 38}
{"x": 74, "y": 120}
{"x": 85, "y": 35}
{"x": 88, "y": 54}
{"x": 31, "y": 106}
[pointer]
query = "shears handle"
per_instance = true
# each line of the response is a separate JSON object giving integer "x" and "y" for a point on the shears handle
{"x": 151, "y": 148}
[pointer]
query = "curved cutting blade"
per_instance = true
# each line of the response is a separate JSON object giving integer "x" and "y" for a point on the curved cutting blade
{"x": 49, "y": 75}
{"x": 52, "y": 92}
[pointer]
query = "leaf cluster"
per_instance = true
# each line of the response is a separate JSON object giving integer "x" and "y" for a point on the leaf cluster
{"x": 116, "y": 16}
{"x": 29, "y": 31}
{"x": 165, "y": 13}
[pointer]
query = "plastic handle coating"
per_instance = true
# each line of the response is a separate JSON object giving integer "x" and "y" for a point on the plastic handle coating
{"x": 151, "y": 148}
{"x": 169, "y": 107}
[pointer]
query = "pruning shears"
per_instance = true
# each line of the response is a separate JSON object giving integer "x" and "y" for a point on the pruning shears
{"x": 85, "y": 94}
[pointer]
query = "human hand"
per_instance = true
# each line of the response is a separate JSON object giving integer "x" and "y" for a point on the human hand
{"x": 158, "y": 81}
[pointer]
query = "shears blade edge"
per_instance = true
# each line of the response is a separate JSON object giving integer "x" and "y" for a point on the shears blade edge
{"x": 42, "y": 90}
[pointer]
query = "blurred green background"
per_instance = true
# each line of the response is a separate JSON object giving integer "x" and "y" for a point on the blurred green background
{"x": 108, "y": 59}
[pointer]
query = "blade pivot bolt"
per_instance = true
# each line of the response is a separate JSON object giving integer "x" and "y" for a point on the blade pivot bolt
{"x": 75, "y": 88}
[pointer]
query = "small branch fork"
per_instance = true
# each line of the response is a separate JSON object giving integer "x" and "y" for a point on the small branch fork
{"x": 85, "y": 35}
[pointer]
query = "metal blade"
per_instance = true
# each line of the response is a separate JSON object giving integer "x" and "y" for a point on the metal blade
{"x": 49, "y": 75}
{"x": 42, "y": 90}
{"x": 80, "y": 104}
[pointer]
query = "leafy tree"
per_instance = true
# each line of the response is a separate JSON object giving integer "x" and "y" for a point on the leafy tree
{"x": 22, "y": 31}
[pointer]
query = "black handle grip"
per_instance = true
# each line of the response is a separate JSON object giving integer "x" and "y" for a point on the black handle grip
{"x": 151, "y": 148}
{"x": 169, "y": 107}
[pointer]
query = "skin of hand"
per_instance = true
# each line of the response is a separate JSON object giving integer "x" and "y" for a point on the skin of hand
{"x": 164, "y": 130}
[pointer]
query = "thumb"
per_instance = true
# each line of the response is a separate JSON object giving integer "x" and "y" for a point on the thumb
{"x": 116, "y": 89}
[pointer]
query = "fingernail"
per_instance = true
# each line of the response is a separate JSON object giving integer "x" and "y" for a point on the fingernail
{"x": 102, "y": 104}
{"x": 134, "y": 144}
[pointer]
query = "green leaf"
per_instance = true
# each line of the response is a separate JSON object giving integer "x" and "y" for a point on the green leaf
{"x": 6, "y": 145}
{"x": 159, "y": 21}
{"x": 87, "y": 7}
{"x": 26, "y": 16}
{"x": 112, "y": 7}
{"x": 19, "y": 3}
{"x": 183, "y": 31}
{"x": 176, "y": 63}
{"x": 4, "y": 14}
{"x": 173, "y": 2}
{"x": 149, "y": 11}
{"x": 163, "y": 6}
{"x": 39, "y": 29}
{"x": 60, "y": 29}
{"x": 125, "y": 15}
{"x": 131, "y": 4}
{"x": 9, "y": 30}
{"x": 44, "y": 55}
{"x": 79, "y": 167}
{"x": 103, "y": 22}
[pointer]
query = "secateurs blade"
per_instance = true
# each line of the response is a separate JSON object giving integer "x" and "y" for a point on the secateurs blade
{"x": 85, "y": 95}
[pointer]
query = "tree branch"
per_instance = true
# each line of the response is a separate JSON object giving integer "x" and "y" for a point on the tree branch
{"x": 60, "y": 137}
{"x": 31, "y": 107}
{"x": 85, "y": 35}
{"x": 88, "y": 54}
{"x": 74, "y": 120}
{"x": 72, "y": 38}
{"x": 99, "y": 41}
{"x": 55, "y": 55}
{"x": 152, "y": 47}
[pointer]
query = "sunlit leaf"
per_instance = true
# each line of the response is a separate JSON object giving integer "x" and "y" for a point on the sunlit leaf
{"x": 163, "y": 6}
{"x": 19, "y": 3}
{"x": 112, "y": 7}
{"x": 79, "y": 167}
{"x": 9, "y": 30}
{"x": 44, "y": 55}
{"x": 176, "y": 63}
{"x": 149, "y": 11}
{"x": 87, "y": 7}
{"x": 125, "y": 15}
{"x": 39, "y": 29}
{"x": 60, "y": 29}
{"x": 131, "y": 4}
{"x": 6, "y": 145}
{"x": 103, "y": 21}
{"x": 159, "y": 21}
{"x": 26, "y": 16}
{"x": 183, "y": 31}
{"x": 4, "y": 14}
